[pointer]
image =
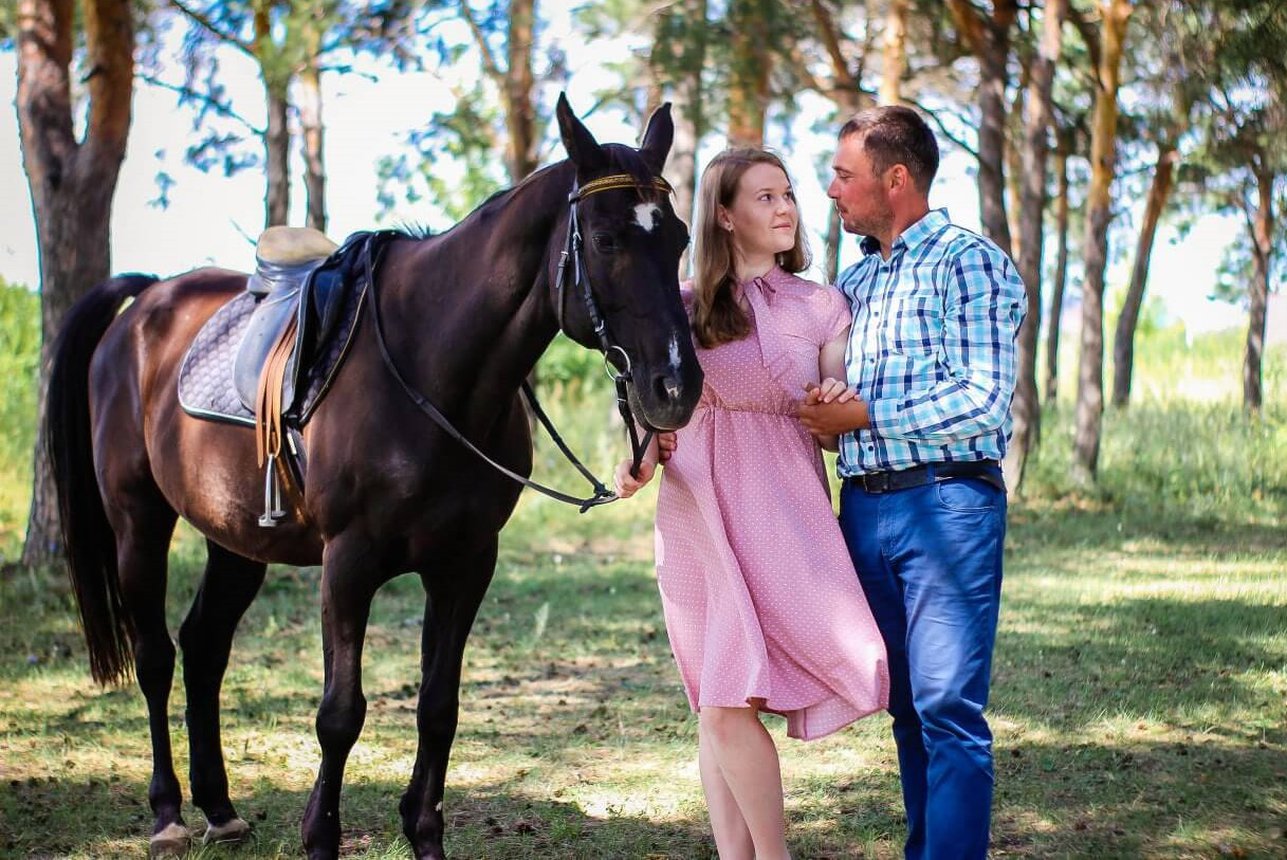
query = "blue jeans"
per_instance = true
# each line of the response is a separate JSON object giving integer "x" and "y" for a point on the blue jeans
{"x": 929, "y": 560}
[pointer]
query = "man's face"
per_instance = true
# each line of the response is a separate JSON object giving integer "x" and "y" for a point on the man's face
{"x": 860, "y": 194}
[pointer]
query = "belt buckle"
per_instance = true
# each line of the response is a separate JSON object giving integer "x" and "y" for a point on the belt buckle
{"x": 875, "y": 482}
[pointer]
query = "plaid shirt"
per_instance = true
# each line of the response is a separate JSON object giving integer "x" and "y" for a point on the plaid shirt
{"x": 932, "y": 348}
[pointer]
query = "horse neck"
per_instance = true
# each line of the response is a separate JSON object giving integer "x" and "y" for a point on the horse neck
{"x": 483, "y": 292}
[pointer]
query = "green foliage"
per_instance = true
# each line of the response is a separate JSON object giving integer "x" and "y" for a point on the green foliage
{"x": 19, "y": 369}
{"x": 19, "y": 366}
{"x": 456, "y": 157}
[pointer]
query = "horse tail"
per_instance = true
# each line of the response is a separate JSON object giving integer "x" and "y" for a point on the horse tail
{"x": 87, "y": 536}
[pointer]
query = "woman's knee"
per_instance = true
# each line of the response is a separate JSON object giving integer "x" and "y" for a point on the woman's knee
{"x": 722, "y": 725}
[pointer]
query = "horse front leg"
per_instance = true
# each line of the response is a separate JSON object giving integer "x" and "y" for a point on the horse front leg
{"x": 347, "y": 589}
{"x": 229, "y": 585}
{"x": 453, "y": 594}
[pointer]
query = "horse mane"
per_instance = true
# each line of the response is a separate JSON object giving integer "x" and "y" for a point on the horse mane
{"x": 621, "y": 157}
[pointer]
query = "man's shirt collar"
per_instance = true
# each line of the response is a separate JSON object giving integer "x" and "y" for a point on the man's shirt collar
{"x": 929, "y": 224}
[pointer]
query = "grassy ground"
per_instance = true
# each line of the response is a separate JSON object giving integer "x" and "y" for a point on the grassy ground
{"x": 1139, "y": 701}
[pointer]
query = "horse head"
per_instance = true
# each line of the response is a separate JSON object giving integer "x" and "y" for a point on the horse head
{"x": 618, "y": 286}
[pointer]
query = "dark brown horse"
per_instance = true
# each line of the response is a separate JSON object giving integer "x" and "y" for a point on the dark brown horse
{"x": 465, "y": 315}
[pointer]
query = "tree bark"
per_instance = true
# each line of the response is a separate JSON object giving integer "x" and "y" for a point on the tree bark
{"x": 310, "y": 120}
{"x": 989, "y": 40}
{"x": 681, "y": 34}
{"x": 1124, "y": 338}
{"x": 1262, "y": 241}
{"x": 72, "y": 183}
{"x": 310, "y": 117}
{"x": 277, "y": 156}
{"x": 831, "y": 254}
{"x": 748, "y": 91}
{"x": 1038, "y": 116}
{"x": 520, "y": 112}
{"x": 1090, "y": 376}
{"x": 894, "y": 53}
{"x": 1061, "y": 271}
{"x": 846, "y": 91}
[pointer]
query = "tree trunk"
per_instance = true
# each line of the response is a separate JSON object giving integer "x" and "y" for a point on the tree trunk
{"x": 1262, "y": 241}
{"x": 1124, "y": 338}
{"x": 72, "y": 183}
{"x": 520, "y": 112}
{"x": 310, "y": 120}
{"x": 847, "y": 93}
{"x": 831, "y": 258}
{"x": 1038, "y": 114}
{"x": 1090, "y": 376}
{"x": 1061, "y": 273}
{"x": 748, "y": 90}
{"x": 989, "y": 41}
{"x": 1015, "y": 141}
{"x": 894, "y": 53}
{"x": 679, "y": 53}
{"x": 277, "y": 157}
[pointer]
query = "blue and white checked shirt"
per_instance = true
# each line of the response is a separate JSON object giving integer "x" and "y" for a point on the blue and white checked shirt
{"x": 932, "y": 348}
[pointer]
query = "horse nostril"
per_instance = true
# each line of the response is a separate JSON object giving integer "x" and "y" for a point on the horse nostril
{"x": 668, "y": 387}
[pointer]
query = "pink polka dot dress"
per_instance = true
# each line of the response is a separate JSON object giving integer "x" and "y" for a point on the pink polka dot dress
{"x": 759, "y": 593}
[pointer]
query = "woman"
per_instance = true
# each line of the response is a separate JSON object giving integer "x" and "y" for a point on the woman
{"x": 762, "y": 605}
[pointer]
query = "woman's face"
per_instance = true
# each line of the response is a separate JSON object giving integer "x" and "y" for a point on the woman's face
{"x": 763, "y": 213}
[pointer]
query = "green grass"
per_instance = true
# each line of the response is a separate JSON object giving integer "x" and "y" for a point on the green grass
{"x": 1139, "y": 700}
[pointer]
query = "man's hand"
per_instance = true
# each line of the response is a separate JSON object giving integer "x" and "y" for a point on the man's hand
{"x": 666, "y": 445}
{"x": 843, "y": 413}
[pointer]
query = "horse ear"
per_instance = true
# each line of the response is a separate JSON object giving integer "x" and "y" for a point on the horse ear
{"x": 658, "y": 137}
{"x": 583, "y": 150}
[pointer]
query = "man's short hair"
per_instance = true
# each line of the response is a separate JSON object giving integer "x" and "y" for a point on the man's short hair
{"x": 894, "y": 134}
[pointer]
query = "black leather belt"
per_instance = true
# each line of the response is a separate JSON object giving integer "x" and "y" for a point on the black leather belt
{"x": 929, "y": 473}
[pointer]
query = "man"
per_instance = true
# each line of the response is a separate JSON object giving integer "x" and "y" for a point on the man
{"x": 923, "y": 506}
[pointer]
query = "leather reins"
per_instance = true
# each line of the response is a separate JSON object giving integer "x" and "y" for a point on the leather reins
{"x": 572, "y": 260}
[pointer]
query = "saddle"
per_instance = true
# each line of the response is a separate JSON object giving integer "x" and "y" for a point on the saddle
{"x": 267, "y": 358}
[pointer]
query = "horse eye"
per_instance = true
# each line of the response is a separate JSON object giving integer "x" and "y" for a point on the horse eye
{"x": 605, "y": 243}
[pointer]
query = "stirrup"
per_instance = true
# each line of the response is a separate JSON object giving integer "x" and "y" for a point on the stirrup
{"x": 272, "y": 495}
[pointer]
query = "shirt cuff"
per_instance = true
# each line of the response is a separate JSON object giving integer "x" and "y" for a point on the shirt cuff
{"x": 885, "y": 416}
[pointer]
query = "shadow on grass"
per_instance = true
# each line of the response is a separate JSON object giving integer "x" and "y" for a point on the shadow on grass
{"x": 1170, "y": 660}
{"x": 97, "y": 818}
{"x": 1100, "y": 528}
{"x": 1140, "y": 799}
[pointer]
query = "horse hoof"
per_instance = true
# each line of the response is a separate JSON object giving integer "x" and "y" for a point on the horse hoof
{"x": 230, "y": 831}
{"x": 173, "y": 841}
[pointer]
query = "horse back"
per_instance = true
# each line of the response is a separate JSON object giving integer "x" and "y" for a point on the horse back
{"x": 206, "y": 470}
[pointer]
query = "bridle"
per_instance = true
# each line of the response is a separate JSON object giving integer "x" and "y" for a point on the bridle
{"x": 571, "y": 264}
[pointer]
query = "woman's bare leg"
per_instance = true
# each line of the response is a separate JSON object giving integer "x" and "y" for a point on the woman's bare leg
{"x": 744, "y": 753}
{"x": 732, "y": 838}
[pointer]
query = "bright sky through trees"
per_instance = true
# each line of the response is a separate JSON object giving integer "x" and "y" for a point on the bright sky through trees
{"x": 213, "y": 219}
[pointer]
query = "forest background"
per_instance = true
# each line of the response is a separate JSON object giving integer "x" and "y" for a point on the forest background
{"x": 1131, "y": 155}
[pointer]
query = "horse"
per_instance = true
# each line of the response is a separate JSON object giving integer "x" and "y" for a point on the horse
{"x": 464, "y": 315}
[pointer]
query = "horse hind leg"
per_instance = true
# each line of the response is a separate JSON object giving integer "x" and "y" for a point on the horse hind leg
{"x": 142, "y": 544}
{"x": 454, "y": 592}
{"x": 228, "y": 586}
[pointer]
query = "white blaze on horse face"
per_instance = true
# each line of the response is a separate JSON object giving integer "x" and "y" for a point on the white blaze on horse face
{"x": 674, "y": 360}
{"x": 647, "y": 215}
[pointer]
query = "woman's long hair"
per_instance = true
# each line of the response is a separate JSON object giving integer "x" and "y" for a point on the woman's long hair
{"x": 716, "y": 316}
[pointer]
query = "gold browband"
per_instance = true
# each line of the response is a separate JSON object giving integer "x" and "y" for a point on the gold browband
{"x": 618, "y": 181}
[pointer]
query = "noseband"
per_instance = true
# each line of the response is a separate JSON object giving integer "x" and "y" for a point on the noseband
{"x": 572, "y": 265}
{"x": 622, "y": 378}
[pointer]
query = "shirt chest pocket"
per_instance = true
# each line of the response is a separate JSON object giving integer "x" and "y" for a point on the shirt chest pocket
{"x": 912, "y": 325}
